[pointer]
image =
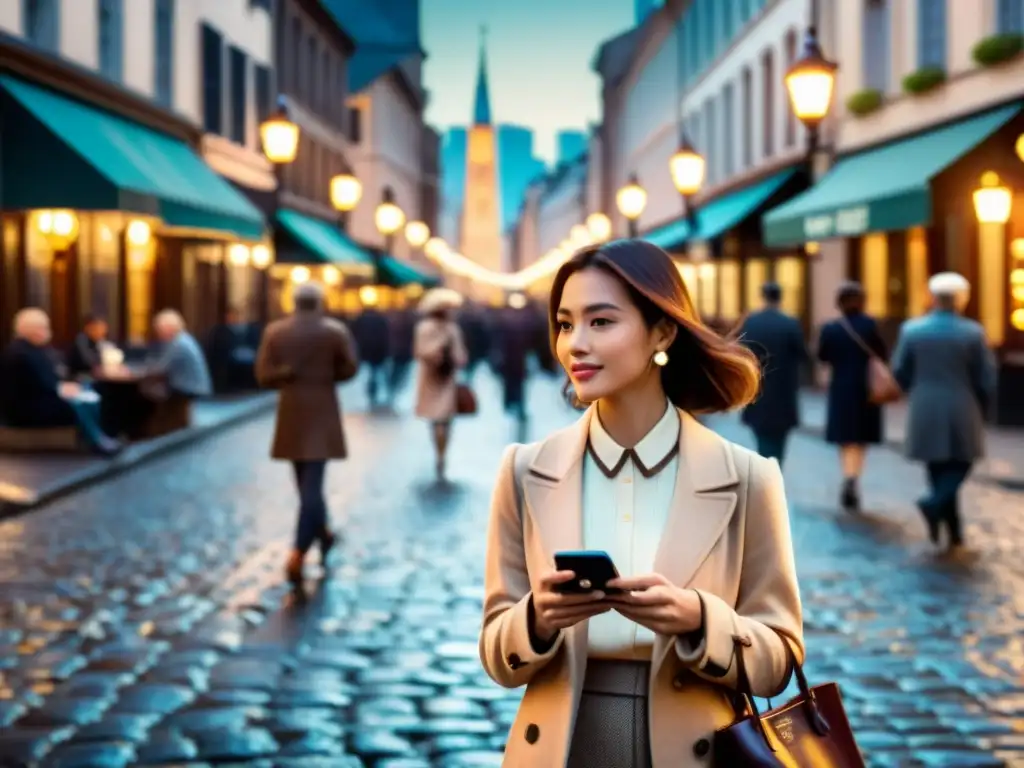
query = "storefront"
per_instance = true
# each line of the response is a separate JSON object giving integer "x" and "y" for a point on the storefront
{"x": 103, "y": 214}
{"x": 723, "y": 260}
{"x": 951, "y": 198}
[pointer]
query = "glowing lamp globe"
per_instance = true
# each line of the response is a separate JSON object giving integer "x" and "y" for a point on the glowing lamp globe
{"x": 280, "y": 136}
{"x": 388, "y": 217}
{"x": 687, "y": 168}
{"x": 331, "y": 275}
{"x": 261, "y": 256}
{"x": 346, "y": 192}
{"x": 631, "y": 199}
{"x": 59, "y": 227}
{"x": 810, "y": 82}
{"x": 579, "y": 236}
{"x": 417, "y": 233}
{"x": 435, "y": 247}
{"x": 138, "y": 233}
{"x": 599, "y": 226}
{"x": 300, "y": 275}
{"x": 238, "y": 255}
{"x": 992, "y": 201}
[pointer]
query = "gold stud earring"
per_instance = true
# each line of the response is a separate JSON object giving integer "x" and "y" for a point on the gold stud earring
{"x": 661, "y": 357}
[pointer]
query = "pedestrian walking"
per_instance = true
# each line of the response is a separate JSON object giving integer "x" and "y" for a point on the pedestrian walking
{"x": 944, "y": 364}
{"x": 640, "y": 678}
{"x": 440, "y": 351}
{"x": 372, "y": 333}
{"x": 305, "y": 356}
{"x": 853, "y": 421}
{"x": 403, "y": 324}
{"x": 778, "y": 341}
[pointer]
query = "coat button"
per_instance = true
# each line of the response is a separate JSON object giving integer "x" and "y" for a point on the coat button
{"x": 532, "y": 733}
{"x": 702, "y": 747}
{"x": 678, "y": 682}
{"x": 514, "y": 661}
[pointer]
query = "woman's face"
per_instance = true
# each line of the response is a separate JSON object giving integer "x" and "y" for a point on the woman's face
{"x": 603, "y": 342}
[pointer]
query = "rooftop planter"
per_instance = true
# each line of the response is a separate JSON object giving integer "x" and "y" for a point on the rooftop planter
{"x": 864, "y": 102}
{"x": 996, "y": 49}
{"x": 924, "y": 80}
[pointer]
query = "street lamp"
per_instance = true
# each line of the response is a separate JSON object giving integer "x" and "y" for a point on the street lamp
{"x": 417, "y": 233}
{"x": 388, "y": 217}
{"x": 579, "y": 236}
{"x": 810, "y": 82}
{"x": 599, "y": 226}
{"x": 435, "y": 248}
{"x": 631, "y": 201}
{"x": 346, "y": 192}
{"x": 280, "y": 138}
{"x": 687, "y": 169}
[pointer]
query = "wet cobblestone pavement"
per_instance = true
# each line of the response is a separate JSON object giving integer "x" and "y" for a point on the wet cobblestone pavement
{"x": 143, "y": 622}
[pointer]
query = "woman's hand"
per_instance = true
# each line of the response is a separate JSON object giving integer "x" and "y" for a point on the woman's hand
{"x": 654, "y": 602}
{"x": 554, "y": 611}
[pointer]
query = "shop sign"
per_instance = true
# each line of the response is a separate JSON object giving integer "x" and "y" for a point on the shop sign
{"x": 846, "y": 221}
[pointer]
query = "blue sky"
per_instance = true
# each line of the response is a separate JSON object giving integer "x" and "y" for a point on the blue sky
{"x": 539, "y": 55}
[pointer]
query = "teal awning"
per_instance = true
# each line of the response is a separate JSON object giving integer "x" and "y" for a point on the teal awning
{"x": 881, "y": 189}
{"x": 322, "y": 242}
{"x": 399, "y": 274}
{"x": 71, "y": 155}
{"x": 720, "y": 215}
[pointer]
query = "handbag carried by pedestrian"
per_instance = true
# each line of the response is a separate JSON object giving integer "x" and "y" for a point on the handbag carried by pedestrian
{"x": 882, "y": 385}
{"x": 465, "y": 400}
{"x": 810, "y": 730}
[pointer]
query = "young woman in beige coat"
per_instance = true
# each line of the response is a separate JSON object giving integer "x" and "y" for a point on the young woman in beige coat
{"x": 698, "y": 528}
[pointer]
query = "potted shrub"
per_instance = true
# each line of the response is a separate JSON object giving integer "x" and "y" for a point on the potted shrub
{"x": 995, "y": 49}
{"x": 864, "y": 102}
{"x": 924, "y": 79}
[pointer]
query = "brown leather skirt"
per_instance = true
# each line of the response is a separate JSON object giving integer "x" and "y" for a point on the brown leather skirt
{"x": 611, "y": 722}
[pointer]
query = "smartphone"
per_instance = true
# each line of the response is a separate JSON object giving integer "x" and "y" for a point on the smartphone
{"x": 593, "y": 568}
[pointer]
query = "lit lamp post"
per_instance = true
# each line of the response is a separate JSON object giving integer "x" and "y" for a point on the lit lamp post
{"x": 631, "y": 201}
{"x": 687, "y": 168}
{"x": 280, "y": 139}
{"x": 389, "y": 218}
{"x": 417, "y": 234}
{"x": 810, "y": 82}
{"x": 346, "y": 192}
{"x": 599, "y": 226}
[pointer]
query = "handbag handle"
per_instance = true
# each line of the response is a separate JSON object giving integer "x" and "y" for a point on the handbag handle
{"x": 744, "y": 701}
{"x": 858, "y": 339}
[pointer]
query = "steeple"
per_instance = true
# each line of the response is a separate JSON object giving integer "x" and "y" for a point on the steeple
{"x": 482, "y": 103}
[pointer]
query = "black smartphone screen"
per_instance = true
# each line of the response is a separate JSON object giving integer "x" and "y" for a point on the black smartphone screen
{"x": 593, "y": 569}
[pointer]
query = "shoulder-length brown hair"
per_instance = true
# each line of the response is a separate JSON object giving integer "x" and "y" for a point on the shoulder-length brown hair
{"x": 705, "y": 373}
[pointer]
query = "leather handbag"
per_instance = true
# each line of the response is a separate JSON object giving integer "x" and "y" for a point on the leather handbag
{"x": 465, "y": 400}
{"x": 810, "y": 730}
{"x": 882, "y": 385}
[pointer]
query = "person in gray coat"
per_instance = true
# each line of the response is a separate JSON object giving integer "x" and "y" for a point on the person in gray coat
{"x": 778, "y": 341}
{"x": 943, "y": 362}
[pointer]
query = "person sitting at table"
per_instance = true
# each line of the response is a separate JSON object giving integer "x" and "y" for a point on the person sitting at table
{"x": 181, "y": 359}
{"x": 86, "y": 354}
{"x": 35, "y": 397}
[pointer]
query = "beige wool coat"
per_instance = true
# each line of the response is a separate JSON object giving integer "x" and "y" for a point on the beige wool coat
{"x": 435, "y": 395}
{"x": 727, "y": 536}
{"x": 305, "y": 356}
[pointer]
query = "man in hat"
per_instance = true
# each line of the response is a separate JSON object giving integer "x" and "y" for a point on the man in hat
{"x": 778, "y": 341}
{"x": 943, "y": 362}
{"x": 305, "y": 356}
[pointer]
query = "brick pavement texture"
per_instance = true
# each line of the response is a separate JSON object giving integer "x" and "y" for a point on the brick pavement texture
{"x": 143, "y": 622}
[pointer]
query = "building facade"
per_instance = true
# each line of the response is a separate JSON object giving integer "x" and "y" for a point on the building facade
{"x": 100, "y": 88}
{"x": 934, "y": 89}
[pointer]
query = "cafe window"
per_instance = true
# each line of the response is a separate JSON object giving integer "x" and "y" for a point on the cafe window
{"x": 790, "y": 275}
{"x": 213, "y": 80}
{"x": 41, "y": 22}
{"x": 756, "y": 276}
{"x": 139, "y": 280}
{"x": 931, "y": 33}
{"x": 262, "y": 92}
{"x": 239, "y": 91}
{"x": 876, "y": 49}
{"x": 110, "y": 24}
{"x": 1010, "y": 17}
{"x": 707, "y": 286}
{"x": 917, "y": 272}
{"x": 729, "y": 290}
{"x": 689, "y": 274}
{"x": 163, "y": 52}
{"x": 874, "y": 269}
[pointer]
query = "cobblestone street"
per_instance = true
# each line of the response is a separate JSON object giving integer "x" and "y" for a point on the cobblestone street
{"x": 143, "y": 621}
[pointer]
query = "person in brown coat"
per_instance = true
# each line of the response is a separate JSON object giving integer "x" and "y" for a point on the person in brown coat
{"x": 305, "y": 356}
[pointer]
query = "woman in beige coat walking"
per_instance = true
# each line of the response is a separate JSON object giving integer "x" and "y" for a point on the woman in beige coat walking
{"x": 697, "y": 527}
{"x": 440, "y": 351}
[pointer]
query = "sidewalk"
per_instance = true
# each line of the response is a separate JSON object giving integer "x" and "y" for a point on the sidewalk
{"x": 1004, "y": 464}
{"x": 30, "y": 479}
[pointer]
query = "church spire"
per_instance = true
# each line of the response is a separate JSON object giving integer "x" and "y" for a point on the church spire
{"x": 482, "y": 103}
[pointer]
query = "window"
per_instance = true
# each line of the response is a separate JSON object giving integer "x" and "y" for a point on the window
{"x": 238, "y": 94}
{"x": 746, "y": 10}
{"x": 728, "y": 22}
{"x": 876, "y": 51}
{"x": 728, "y": 131}
{"x": 327, "y": 76}
{"x": 261, "y": 92}
{"x": 931, "y": 33}
{"x": 768, "y": 103}
{"x": 791, "y": 43}
{"x": 1010, "y": 17}
{"x": 312, "y": 93}
{"x": 41, "y": 22}
{"x": 296, "y": 58}
{"x": 163, "y": 52}
{"x": 213, "y": 79}
{"x": 355, "y": 125}
{"x": 711, "y": 141}
{"x": 110, "y": 23}
{"x": 747, "y": 116}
